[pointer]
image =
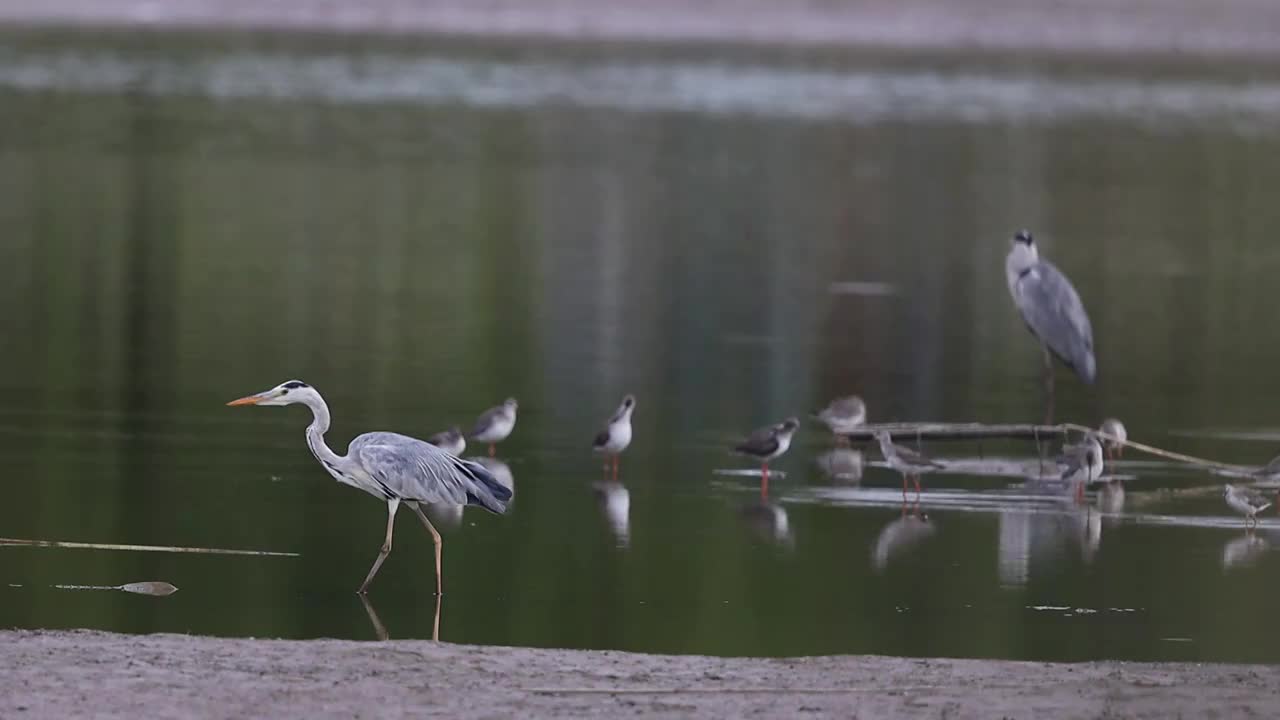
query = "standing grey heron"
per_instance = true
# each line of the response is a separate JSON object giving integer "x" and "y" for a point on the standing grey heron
{"x": 1247, "y": 502}
{"x": 451, "y": 441}
{"x": 391, "y": 467}
{"x": 1051, "y": 308}
{"x": 906, "y": 461}
{"x": 843, "y": 415}
{"x": 767, "y": 443}
{"x": 495, "y": 424}
{"x": 616, "y": 435}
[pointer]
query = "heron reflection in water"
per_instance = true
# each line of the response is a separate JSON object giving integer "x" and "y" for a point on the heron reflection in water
{"x": 1052, "y": 311}
{"x": 380, "y": 629}
{"x": 391, "y": 467}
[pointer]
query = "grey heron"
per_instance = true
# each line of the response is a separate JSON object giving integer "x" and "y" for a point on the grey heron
{"x": 843, "y": 415}
{"x": 1117, "y": 437}
{"x": 906, "y": 461}
{"x": 391, "y": 467}
{"x": 767, "y": 443}
{"x": 616, "y": 435}
{"x": 1051, "y": 308}
{"x": 451, "y": 441}
{"x": 1245, "y": 501}
{"x": 495, "y": 424}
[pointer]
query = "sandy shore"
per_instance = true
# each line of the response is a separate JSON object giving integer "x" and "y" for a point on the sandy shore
{"x": 103, "y": 675}
{"x": 1246, "y": 27}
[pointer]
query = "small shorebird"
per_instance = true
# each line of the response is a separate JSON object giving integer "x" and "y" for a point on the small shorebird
{"x": 1115, "y": 429}
{"x": 766, "y": 444}
{"x": 616, "y": 435}
{"x": 450, "y": 441}
{"x": 906, "y": 461}
{"x": 1051, "y": 308}
{"x": 1082, "y": 464}
{"x": 843, "y": 415}
{"x": 1245, "y": 501}
{"x": 495, "y": 424}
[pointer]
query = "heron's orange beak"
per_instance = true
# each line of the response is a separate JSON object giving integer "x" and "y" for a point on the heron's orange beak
{"x": 246, "y": 400}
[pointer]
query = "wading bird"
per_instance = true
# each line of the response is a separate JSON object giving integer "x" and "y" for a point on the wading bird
{"x": 451, "y": 441}
{"x": 1115, "y": 429}
{"x": 616, "y": 435}
{"x": 1082, "y": 464}
{"x": 906, "y": 461}
{"x": 843, "y": 415}
{"x": 495, "y": 424}
{"x": 391, "y": 467}
{"x": 1246, "y": 502}
{"x": 1051, "y": 308}
{"x": 766, "y": 444}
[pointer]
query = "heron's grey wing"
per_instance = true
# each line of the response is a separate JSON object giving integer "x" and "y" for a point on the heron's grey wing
{"x": 412, "y": 469}
{"x": 1051, "y": 307}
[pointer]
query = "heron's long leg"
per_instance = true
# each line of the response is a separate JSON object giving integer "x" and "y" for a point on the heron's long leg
{"x": 379, "y": 629}
{"x": 435, "y": 625}
{"x": 392, "y": 505}
{"x": 435, "y": 536}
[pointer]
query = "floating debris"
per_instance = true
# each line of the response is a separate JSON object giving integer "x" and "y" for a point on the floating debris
{"x": 154, "y": 588}
{"x": 18, "y": 542}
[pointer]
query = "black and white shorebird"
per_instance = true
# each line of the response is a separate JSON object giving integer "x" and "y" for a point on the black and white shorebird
{"x": 1245, "y": 501}
{"x": 767, "y": 443}
{"x": 451, "y": 441}
{"x": 908, "y": 462}
{"x": 1114, "y": 429}
{"x": 1082, "y": 464}
{"x": 495, "y": 424}
{"x": 616, "y": 435}
{"x": 1051, "y": 308}
{"x": 843, "y": 415}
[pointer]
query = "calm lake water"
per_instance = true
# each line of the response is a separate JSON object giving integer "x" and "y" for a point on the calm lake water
{"x": 422, "y": 229}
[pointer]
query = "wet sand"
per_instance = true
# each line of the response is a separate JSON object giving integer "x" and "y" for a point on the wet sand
{"x": 1244, "y": 27}
{"x": 103, "y": 675}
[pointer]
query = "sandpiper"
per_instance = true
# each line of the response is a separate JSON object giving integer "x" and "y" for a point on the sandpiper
{"x": 495, "y": 424}
{"x": 906, "y": 461}
{"x": 450, "y": 441}
{"x": 1245, "y": 501}
{"x": 1115, "y": 429}
{"x": 616, "y": 435}
{"x": 843, "y": 415}
{"x": 766, "y": 444}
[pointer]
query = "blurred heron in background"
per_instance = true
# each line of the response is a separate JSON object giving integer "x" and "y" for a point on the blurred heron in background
{"x": 1052, "y": 310}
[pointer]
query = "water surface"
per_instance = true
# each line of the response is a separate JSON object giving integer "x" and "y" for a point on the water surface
{"x": 422, "y": 229}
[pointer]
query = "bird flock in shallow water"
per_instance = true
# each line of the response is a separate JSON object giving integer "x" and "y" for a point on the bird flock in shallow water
{"x": 403, "y": 470}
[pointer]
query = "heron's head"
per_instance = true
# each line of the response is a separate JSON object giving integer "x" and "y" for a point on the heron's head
{"x": 1023, "y": 252}
{"x": 286, "y": 393}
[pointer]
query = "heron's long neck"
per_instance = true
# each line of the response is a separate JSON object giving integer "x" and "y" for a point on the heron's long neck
{"x": 315, "y": 434}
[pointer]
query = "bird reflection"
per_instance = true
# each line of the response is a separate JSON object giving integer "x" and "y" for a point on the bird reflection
{"x": 1243, "y": 551}
{"x": 615, "y": 504}
{"x": 842, "y": 463}
{"x": 380, "y": 630}
{"x": 900, "y": 536}
{"x": 449, "y": 515}
{"x": 768, "y": 522}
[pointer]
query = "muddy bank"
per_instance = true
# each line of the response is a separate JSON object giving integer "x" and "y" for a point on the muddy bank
{"x": 83, "y": 673}
{"x": 1133, "y": 26}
